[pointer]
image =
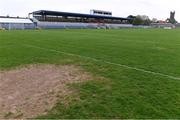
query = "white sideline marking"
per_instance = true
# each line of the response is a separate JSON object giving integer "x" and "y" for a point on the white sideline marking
{"x": 4, "y": 46}
{"x": 98, "y": 60}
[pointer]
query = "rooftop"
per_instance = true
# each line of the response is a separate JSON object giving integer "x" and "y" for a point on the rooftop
{"x": 14, "y": 20}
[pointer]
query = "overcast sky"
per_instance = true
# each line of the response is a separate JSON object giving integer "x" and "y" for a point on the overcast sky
{"x": 153, "y": 8}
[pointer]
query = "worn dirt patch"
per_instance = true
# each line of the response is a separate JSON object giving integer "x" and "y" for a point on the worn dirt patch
{"x": 31, "y": 91}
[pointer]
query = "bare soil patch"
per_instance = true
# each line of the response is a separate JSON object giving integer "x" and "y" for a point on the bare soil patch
{"x": 31, "y": 91}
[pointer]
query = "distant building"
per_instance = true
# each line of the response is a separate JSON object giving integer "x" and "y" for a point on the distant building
{"x": 172, "y": 18}
{"x": 169, "y": 23}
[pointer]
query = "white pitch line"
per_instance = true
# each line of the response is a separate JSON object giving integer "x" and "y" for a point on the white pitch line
{"x": 111, "y": 63}
{"x": 5, "y": 46}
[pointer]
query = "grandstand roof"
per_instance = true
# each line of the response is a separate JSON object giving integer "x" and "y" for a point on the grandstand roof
{"x": 14, "y": 20}
{"x": 57, "y": 13}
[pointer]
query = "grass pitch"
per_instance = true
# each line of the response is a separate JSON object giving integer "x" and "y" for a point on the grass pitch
{"x": 142, "y": 67}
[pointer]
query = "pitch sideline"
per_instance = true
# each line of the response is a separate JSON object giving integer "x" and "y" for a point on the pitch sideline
{"x": 107, "y": 62}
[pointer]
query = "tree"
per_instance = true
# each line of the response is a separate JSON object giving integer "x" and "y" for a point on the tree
{"x": 154, "y": 20}
{"x": 138, "y": 20}
{"x": 141, "y": 20}
{"x": 131, "y": 17}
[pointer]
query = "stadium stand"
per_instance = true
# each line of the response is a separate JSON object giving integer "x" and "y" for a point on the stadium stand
{"x": 16, "y": 23}
{"x": 55, "y": 19}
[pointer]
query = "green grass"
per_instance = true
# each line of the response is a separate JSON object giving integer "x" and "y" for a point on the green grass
{"x": 127, "y": 93}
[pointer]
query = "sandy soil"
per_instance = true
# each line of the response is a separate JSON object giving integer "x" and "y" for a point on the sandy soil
{"x": 31, "y": 91}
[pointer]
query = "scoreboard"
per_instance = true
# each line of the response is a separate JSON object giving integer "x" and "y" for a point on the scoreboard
{"x": 100, "y": 12}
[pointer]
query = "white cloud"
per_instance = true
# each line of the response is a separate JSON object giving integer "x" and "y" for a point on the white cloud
{"x": 154, "y": 8}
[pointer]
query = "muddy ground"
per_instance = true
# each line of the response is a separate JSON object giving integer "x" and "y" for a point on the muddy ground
{"x": 32, "y": 90}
